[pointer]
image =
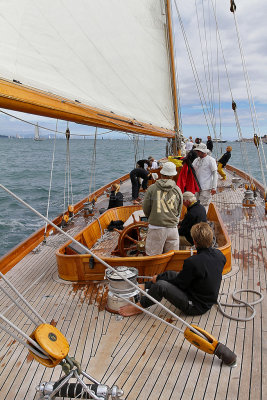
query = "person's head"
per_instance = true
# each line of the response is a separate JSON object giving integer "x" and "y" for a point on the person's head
{"x": 201, "y": 150}
{"x": 188, "y": 198}
{"x": 115, "y": 187}
{"x": 229, "y": 148}
{"x": 150, "y": 158}
{"x": 209, "y": 137}
{"x": 202, "y": 235}
{"x": 197, "y": 140}
{"x": 168, "y": 171}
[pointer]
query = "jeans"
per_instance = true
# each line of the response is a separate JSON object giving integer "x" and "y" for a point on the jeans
{"x": 163, "y": 289}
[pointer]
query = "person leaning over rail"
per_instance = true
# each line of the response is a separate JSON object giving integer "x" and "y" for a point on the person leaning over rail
{"x": 135, "y": 176}
{"x": 223, "y": 161}
{"x": 162, "y": 206}
{"x": 193, "y": 290}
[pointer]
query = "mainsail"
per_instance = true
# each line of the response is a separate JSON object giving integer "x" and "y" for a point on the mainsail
{"x": 106, "y": 56}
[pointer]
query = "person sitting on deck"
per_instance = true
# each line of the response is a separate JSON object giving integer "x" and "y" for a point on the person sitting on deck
{"x": 193, "y": 290}
{"x": 223, "y": 161}
{"x": 135, "y": 176}
{"x": 162, "y": 206}
{"x": 195, "y": 213}
{"x": 116, "y": 197}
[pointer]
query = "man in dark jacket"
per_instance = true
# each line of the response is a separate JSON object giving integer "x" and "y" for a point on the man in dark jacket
{"x": 195, "y": 213}
{"x": 209, "y": 144}
{"x": 193, "y": 290}
{"x": 135, "y": 174}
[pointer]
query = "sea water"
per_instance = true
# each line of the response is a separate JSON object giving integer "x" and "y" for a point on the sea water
{"x": 26, "y": 170}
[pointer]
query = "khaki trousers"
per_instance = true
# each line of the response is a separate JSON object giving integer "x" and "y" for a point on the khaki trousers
{"x": 161, "y": 240}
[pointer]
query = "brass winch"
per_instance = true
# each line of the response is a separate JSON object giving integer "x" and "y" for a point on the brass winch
{"x": 249, "y": 199}
{"x": 119, "y": 287}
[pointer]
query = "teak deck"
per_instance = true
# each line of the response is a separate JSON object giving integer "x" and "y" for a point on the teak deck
{"x": 144, "y": 357}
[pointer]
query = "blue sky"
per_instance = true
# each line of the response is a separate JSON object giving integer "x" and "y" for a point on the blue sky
{"x": 250, "y": 18}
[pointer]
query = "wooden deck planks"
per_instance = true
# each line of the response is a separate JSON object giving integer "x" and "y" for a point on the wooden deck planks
{"x": 141, "y": 355}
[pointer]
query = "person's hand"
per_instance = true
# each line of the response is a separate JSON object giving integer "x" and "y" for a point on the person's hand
{"x": 213, "y": 191}
{"x": 154, "y": 279}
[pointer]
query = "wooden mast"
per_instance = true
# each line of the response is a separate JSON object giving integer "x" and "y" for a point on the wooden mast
{"x": 172, "y": 65}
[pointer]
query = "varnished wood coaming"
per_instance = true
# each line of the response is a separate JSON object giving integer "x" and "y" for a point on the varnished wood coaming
{"x": 77, "y": 267}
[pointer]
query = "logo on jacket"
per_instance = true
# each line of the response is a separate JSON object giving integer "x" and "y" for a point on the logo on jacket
{"x": 163, "y": 203}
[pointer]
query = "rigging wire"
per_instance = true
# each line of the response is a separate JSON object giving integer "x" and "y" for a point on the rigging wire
{"x": 200, "y": 90}
{"x": 92, "y": 168}
{"x": 234, "y": 107}
{"x": 68, "y": 181}
{"x": 253, "y": 112}
{"x": 50, "y": 129}
{"x": 50, "y": 184}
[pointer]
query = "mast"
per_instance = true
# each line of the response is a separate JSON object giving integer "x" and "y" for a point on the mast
{"x": 176, "y": 140}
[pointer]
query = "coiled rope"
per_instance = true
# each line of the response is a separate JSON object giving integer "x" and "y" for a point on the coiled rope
{"x": 242, "y": 304}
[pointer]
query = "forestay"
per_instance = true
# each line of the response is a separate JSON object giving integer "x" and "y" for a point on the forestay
{"x": 108, "y": 54}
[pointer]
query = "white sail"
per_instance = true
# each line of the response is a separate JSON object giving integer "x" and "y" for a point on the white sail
{"x": 109, "y": 54}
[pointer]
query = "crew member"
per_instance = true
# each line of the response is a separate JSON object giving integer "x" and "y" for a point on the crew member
{"x": 223, "y": 161}
{"x": 116, "y": 197}
{"x": 195, "y": 213}
{"x": 193, "y": 290}
{"x": 135, "y": 176}
{"x": 206, "y": 172}
{"x": 162, "y": 206}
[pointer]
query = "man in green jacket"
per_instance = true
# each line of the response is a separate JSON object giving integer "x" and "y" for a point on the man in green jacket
{"x": 162, "y": 206}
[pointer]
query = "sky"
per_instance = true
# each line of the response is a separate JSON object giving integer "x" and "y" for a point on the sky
{"x": 251, "y": 26}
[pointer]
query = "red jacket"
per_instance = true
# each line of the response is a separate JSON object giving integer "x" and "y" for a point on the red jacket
{"x": 186, "y": 180}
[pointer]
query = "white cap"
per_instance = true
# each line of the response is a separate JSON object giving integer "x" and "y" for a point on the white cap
{"x": 169, "y": 169}
{"x": 202, "y": 147}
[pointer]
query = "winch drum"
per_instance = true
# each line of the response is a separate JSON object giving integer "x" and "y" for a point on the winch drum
{"x": 118, "y": 286}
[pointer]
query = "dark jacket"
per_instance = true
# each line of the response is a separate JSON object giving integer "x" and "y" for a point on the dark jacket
{"x": 139, "y": 173}
{"x": 200, "y": 277}
{"x": 225, "y": 158}
{"x": 142, "y": 163}
{"x": 195, "y": 213}
{"x": 210, "y": 145}
{"x": 115, "y": 199}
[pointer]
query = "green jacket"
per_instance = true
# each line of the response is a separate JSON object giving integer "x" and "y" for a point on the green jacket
{"x": 163, "y": 202}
